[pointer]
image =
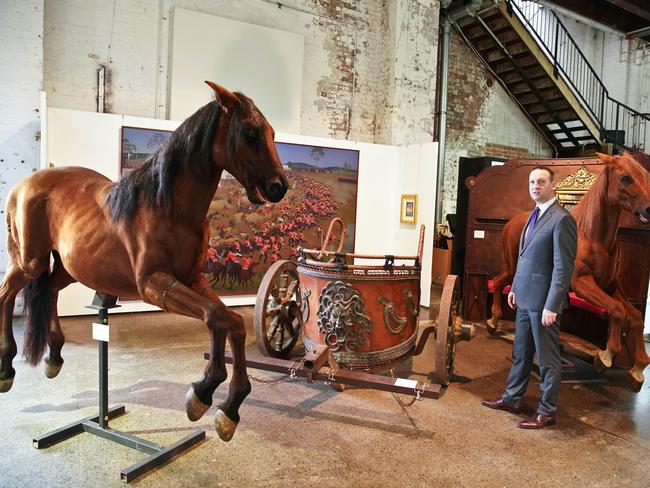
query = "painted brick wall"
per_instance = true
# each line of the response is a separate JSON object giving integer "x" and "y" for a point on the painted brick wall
{"x": 21, "y": 57}
{"x": 411, "y": 47}
{"x": 345, "y": 75}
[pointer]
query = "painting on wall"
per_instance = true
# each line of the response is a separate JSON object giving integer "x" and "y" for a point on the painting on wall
{"x": 408, "y": 209}
{"x": 247, "y": 239}
{"x": 138, "y": 144}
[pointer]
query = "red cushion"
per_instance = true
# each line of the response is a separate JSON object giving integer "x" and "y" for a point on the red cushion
{"x": 578, "y": 302}
{"x": 506, "y": 288}
{"x": 574, "y": 300}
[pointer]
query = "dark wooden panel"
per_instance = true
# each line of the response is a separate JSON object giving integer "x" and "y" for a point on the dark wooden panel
{"x": 475, "y": 296}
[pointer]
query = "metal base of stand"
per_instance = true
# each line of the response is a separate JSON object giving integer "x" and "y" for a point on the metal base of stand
{"x": 158, "y": 454}
{"x": 98, "y": 424}
{"x": 574, "y": 370}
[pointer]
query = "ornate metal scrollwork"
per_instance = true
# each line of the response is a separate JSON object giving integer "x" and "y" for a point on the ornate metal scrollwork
{"x": 570, "y": 190}
{"x": 342, "y": 318}
{"x": 394, "y": 322}
{"x": 305, "y": 305}
{"x": 390, "y": 317}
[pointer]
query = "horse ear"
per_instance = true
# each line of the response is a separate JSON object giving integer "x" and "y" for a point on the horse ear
{"x": 610, "y": 161}
{"x": 223, "y": 94}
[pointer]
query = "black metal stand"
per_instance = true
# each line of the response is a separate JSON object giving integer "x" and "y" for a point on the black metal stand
{"x": 574, "y": 370}
{"x": 98, "y": 425}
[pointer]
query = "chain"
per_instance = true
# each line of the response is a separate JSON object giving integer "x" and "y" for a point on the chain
{"x": 292, "y": 375}
{"x": 418, "y": 394}
{"x": 403, "y": 403}
{"x": 269, "y": 381}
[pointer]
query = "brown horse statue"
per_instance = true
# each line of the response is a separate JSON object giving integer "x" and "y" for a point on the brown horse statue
{"x": 623, "y": 185}
{"x": 509, "y": 254}
{"x": 145, "y": 235}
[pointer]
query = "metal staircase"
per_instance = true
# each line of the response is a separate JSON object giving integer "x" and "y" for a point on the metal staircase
{"x": 537, "y": 61}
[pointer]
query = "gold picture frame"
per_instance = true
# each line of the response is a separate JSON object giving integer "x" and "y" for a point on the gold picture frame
{"x": 408, "y": 213}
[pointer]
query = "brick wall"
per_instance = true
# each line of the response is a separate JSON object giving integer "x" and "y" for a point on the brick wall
{"x": 350, "y": 84}
{"x": 21, "y": 58}
{"x": 508, "y": 152}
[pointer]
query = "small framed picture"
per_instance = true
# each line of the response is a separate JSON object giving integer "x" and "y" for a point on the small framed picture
{"x": 409, "y": 209}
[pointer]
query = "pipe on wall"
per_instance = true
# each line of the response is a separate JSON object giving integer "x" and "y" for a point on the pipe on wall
{"x": 442, "y": 125}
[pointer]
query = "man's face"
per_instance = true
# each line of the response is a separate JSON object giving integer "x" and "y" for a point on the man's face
{"x": 540, "y": 186}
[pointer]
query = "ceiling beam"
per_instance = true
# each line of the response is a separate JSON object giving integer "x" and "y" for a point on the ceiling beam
{"x": 639, "y": 8}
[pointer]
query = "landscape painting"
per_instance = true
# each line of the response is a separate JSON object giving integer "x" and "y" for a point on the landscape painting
{"x": 247, "y": 239}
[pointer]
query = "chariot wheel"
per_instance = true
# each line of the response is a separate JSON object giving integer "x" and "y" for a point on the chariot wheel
{"x": 446, "y": 329}
{"x": 278, "y": 316}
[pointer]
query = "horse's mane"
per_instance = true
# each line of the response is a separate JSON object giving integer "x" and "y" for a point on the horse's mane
{"x": 586, "y": 211}
{"x": 189, "y": 147}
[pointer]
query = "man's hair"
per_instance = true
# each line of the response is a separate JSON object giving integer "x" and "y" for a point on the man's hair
{"x": 547, "y": 169}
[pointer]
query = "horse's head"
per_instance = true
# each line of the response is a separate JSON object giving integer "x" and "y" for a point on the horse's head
{"x": 245, "y": 148}
{"x": 628, "y": 185}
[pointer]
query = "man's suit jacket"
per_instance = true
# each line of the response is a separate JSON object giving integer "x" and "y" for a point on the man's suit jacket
{"x": 546, "y": 260}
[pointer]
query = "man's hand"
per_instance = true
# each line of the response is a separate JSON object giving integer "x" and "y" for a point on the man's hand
{"x": 512, "y": 300}
{"x": 548, "y": 318}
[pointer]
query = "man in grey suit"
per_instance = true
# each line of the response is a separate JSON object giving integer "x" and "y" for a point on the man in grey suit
{"x": 539, "y": 292}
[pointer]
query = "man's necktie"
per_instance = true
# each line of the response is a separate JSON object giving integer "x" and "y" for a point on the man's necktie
{"x": 531, "y": 224}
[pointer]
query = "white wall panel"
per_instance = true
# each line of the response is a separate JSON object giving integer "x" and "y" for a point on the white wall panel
{"x": 263, "y": 63}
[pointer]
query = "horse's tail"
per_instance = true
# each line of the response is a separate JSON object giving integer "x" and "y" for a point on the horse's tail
{"x": 38, "y": 311}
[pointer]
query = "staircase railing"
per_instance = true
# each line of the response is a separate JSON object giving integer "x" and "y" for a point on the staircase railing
{"x": 618, "y": 123}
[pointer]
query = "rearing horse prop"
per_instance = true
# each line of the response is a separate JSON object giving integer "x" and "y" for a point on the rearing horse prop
{"x": 623, "y": 185}
{"x": 145, "y": 235}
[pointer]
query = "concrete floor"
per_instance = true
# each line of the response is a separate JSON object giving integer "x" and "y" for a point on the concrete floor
{"x": 297, "y": 434}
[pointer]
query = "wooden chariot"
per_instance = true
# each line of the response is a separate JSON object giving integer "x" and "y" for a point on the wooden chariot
{"x": 354, "y": 320}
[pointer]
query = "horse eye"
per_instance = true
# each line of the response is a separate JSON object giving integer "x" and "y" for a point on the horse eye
{"x": 627, "y": 179}
{"x": 251, "y": 136}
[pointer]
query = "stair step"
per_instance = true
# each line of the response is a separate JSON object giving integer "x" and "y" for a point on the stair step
{"x": 540, "y": 108}
{"x": 509, "y": 40}
{"x": 560, "y": 130}
{"x": 585, "y": 138}
{"x": 532, "y": 106}
{"x": 515, "y": 69}
{"x": 532, "y": 73}
{"x": 550, "y": 95}
{"x": 492, "y": 16}
{"x": 524, "y": 87}
{"x": 523, "y": 61}
{"x": 561, "y": 116}
{"x": 572, "y": 131}
{"x": 477, "y": 36}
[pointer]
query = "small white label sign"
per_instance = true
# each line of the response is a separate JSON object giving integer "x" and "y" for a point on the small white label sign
{"x": 406, "y": 383}
{"x": 479, "y": 234}
{"x": 100, "y": 332}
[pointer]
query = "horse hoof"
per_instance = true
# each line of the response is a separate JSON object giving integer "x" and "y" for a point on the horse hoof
{"x": 52, "y": 369}
{"x": 633, "y": 384}
{"x": 491, "y": 326}
{"x": 5, "y": 385}
{"x": 224, "y": 426}
{"x": 599, "y": 366}
{"x": 194, "y": 407}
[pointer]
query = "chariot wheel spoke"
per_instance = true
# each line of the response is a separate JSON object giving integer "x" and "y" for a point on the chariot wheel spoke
{"x": 277, "y": 326}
